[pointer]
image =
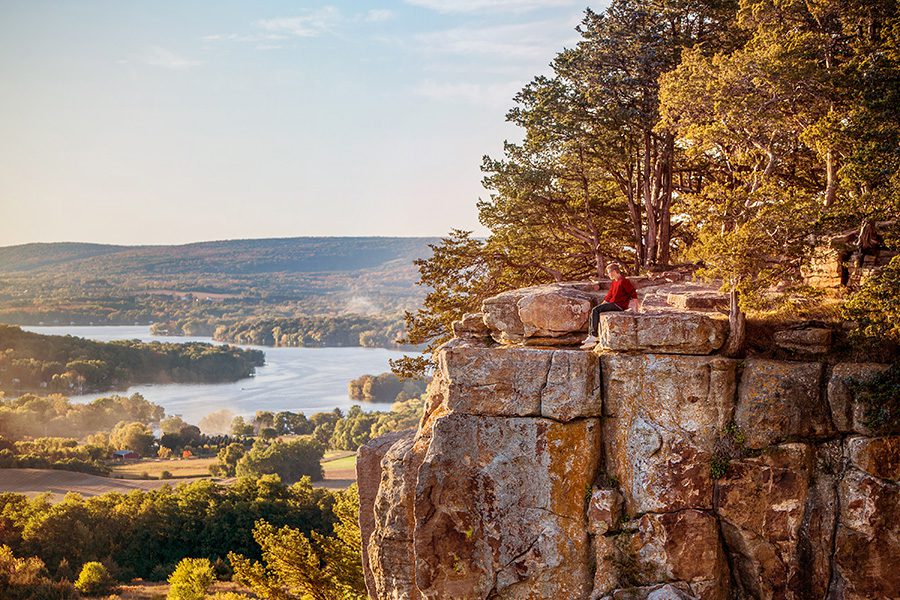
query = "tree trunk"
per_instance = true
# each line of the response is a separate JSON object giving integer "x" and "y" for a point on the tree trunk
{"x": 831, "y": 179}
{"x": 665, "y": 210}
{"x": 737, "y": 328}
{"x": 649, "y": 208}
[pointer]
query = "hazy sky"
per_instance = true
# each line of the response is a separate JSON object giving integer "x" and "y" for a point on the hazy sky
{"x": 165, "y": 122}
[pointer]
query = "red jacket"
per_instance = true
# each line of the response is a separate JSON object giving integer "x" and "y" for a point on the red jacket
{"x": 621, "y": 292}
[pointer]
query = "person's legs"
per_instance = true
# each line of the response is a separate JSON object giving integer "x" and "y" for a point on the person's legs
{"x": 594, "y": 321}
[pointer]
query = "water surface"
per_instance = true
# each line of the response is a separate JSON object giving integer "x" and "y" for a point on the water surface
{"x": 307, "y": 380}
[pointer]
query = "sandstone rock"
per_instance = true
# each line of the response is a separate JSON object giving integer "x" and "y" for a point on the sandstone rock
{"x": 762, "y": 504}
{"x": 501, "y": 315}
{"x": 494, "y": 381}
{"x": 515, "y": 381}
{"x": 667, "y": 591}
{"x": 572, "y": 388}
{"x": 663, "y": 416}
{"x": 665, "y": 332}
{"x": 680, "y": 548}
{"x": 368, "y": 477}
{"x": 390, "y": 549}
{"x": 604, "y": 510}
{"x": 848, "y": 414}
{"x": 555, "y": 312}
{"x": 809, "y": 340}
{"x": 879, "y": 457}
{"x": 779, "y": 401}
{"x": 868, "y": 539}
{"x": 500, "y": 508}
{"x": 471, "y": 326}
{"x": 697, "y": 300}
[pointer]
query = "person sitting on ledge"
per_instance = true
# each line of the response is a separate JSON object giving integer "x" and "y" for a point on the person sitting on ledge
{"x": 619, "y": 296}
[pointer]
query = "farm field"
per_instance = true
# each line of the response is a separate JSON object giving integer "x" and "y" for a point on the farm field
{"x": 178, "y": 468}
{"x": 32, "y": 482}
{"x": 340, "y": 473}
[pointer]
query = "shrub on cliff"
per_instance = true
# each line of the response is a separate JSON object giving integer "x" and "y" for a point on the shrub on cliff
{"x": 876, "y": 305}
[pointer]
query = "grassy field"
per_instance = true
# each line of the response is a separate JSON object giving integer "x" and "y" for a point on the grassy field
{"x": 140, "y": 590}
{"x": 179, "y": 468}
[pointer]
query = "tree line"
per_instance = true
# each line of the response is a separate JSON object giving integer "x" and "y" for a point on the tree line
{"x": 32, "y": 361}
{"x": 731, "y": 135}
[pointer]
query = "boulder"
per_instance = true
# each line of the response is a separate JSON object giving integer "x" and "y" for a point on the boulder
{"x": 556, "y": 311}
{"x": 515, "y": 381}
{"x": 501, "y": 315}
{"x": 662, "y": 332}
{"x": 663, "y": 415}
{"x": 868, "y": 538}
{"x": 808, "y": 340}
{"x": 779, "y": 401}
{"x": 500, "y": 508}
{"x": 762, "y": 503}
{"x": 847, "y": 413}
{"x": 368, "y": 477}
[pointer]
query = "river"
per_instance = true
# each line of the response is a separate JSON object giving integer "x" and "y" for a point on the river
{"x": 307, "y": 380}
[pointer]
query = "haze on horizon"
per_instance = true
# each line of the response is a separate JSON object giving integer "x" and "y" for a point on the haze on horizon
{"x": 173, "y": 122}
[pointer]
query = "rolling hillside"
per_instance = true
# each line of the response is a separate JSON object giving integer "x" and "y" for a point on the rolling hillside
{"x": 213, "y": 282}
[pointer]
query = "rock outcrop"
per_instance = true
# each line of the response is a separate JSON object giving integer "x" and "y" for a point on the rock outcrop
{"x": 651, "y": 468}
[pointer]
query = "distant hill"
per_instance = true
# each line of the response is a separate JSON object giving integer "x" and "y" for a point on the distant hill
{"x": 28, "y": 257}
{"x": 244, "y": 257}
{"x": 201, "y": 286}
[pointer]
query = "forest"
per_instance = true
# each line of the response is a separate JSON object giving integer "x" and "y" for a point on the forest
{"x": 736, "y": 139}
{"x": 32, "y": 361}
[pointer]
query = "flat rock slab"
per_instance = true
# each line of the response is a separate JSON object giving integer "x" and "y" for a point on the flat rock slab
{"x": 662, "y": 332}
{"x": 561, "y": 384}
{"x": 500, "y": 508}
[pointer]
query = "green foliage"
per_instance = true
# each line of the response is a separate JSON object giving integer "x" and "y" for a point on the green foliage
{"x": 146, "y": 533}
{"x": 386, "y": 387}
{"x": 54, "y": 453}
{"x": 718, "y": 466}
{"x": 228, "y": 460}
{"x": 94, "y": 580}
{"x": 880, "y": 398}
{"x": 35, "y": 416}
{"x": 876, "y": 305}
{"x": 67, "y": 363}
{"x": 26, "y": 579}
{"x": 290, "y": 460}
{"x": 294, "y": 565}
{"x": 191, "y": 579}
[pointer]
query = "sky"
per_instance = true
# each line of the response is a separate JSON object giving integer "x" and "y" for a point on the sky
{"x": 176, "y": 121}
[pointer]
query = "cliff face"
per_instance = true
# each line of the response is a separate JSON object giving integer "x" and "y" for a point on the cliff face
{"x": 648, "y": 468}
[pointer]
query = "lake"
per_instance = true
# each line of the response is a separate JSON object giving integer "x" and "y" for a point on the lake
{"x": 307, "y": 380}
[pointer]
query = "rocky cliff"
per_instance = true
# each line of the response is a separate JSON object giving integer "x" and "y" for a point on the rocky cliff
{"x": 650, "y": 467}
